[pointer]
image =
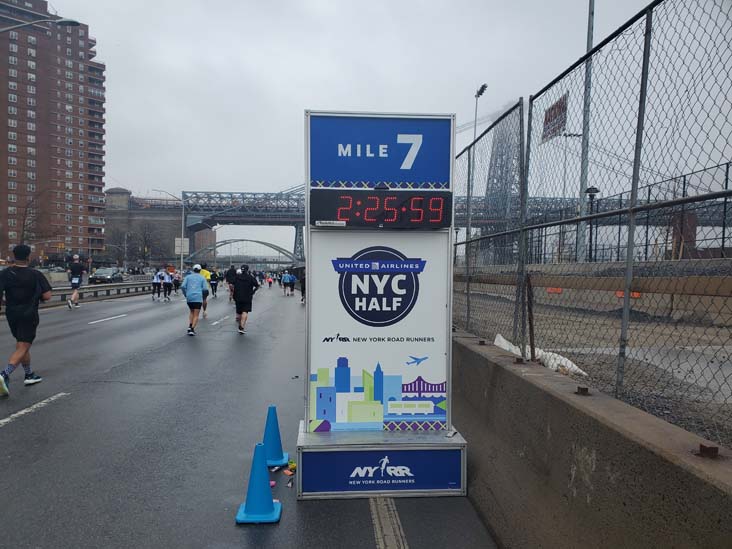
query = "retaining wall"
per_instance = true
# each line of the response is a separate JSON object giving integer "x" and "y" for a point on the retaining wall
{"x": 549, "y": 468}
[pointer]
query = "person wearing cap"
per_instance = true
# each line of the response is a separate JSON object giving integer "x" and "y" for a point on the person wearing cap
{"x": 193, "y": 287}
{"x": 245, "y": 285}
{"x": 24, "y": 288}
{"x": 76, "y": 272}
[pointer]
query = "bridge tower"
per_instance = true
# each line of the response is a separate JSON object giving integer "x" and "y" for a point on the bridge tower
{"x": 299, "y": 248}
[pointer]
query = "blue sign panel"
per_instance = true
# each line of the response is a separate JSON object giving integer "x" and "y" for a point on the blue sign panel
{"x": 360, "y": 152}
{"x": 382, "y": 470}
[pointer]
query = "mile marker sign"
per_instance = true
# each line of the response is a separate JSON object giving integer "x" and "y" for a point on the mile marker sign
{"x": 379, "y": 266}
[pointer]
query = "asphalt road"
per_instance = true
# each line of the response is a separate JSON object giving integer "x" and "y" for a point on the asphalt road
{"x": 146, "y": 435}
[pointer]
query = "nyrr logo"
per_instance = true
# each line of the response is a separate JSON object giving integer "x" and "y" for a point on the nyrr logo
{"x": 378, "y": 286}
{"x": 383, "y": 467}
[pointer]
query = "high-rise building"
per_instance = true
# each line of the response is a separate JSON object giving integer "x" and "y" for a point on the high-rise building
{"x": 52, "y": 158}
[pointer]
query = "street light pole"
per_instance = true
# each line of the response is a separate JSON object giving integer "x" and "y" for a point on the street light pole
{"x": 60, "y": 22}
{"x": 182, "y": 221}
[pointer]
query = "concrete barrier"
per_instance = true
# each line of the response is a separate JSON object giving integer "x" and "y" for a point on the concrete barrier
{"x": 550, "y": 468}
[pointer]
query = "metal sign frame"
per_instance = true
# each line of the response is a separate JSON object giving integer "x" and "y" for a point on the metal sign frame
{"x": 448, "y": 251}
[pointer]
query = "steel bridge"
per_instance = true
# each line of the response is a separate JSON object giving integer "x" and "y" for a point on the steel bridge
{"x": 207, "y": 209}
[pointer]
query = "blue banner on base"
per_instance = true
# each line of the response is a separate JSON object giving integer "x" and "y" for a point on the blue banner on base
{"x": 380, "y": 470}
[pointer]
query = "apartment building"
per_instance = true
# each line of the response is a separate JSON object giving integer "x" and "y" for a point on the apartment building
{"x": 52, "y": 152}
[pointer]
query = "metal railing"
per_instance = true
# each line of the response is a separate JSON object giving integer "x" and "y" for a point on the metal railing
{"x": 618, "y": 271}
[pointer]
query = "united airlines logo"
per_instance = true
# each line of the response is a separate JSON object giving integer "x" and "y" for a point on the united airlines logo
{"x": 378, "y": 286}
{"x": 383, "y": 469}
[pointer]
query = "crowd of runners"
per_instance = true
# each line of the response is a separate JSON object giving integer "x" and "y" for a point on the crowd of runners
{"x": 24, "y": 288}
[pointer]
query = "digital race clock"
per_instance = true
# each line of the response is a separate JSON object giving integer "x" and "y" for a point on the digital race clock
{"x": 380, "y": 209}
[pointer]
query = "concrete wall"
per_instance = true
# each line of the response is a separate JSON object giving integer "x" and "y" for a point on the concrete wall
{"x": 548, "y": 468}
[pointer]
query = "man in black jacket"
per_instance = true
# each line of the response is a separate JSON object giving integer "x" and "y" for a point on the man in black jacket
{"x": 244, "y": 287}
{"x": 24, "y": 288}
{"x": 229, "y": 277}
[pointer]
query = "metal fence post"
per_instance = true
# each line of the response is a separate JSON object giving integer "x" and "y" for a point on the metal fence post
{"x": 519, "y": 309}
{"x": 620, "y": 372}
{"x": 468, "y": 263}
{"x": 724, "y": 209}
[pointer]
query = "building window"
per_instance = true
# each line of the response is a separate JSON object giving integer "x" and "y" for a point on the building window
{"x": 13, "y": 73}
{"x": 12, "y": 197}
{"x": 31, "y": 114}
{"x": 12, "y": 210}
{"x": 68, "y": 51}
{"x": 13, "y": 35}
{"x": 31, "y": 138}
{"x": 12, "y": 234}
{"x": 12, "y": 161}
{"x": 12, "y": 185}
{"x": 31, "y": 101}
{"x": 31, "y": 187}
{"x": 14, "y": 47}
{"x": 31, "y": 151}
{"x": 31, "y": 89}
{"x": 32, "y": 176}
{"x": 31, "y": 52}
{"x": 31, "y": 163}
{"x": 32, "y": 39}
{"x": 12, "y": 148}
{"x": 12, "y": 123}
{"x": 12, "y": 98}
{"x": 31, "y": 77}
{"x": 12, "y": 173}
{"x": 82, "y": 33}
{"x": 69, "y": 175}
{"x": 12, "y": 110}
{"x": 31, "y": 64}
{"x": 69, "y": 64}
{"x": 31, "y": 126}
{"x": 13, "y": 60}
{"x": 81, "y": 55}
{"x": 12, "y": 136}
{"x": 12, "y": 223}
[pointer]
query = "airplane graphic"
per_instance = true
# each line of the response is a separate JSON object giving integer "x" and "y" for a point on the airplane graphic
{"x": 416, "y": 361}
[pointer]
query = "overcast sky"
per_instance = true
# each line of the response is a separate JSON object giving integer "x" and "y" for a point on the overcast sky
{"x": 210, "y": 95}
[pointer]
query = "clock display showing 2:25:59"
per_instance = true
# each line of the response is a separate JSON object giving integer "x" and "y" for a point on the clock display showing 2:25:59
{"x": 381, "y": 209}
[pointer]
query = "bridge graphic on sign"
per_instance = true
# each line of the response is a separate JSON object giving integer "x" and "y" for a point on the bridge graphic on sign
{"x": 419, "y": 387}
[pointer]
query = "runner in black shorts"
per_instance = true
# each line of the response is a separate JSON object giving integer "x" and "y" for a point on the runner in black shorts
{"x": 76, "y": 272}
{"x": 24, "y": 288}
{"x": 245, "y": 285}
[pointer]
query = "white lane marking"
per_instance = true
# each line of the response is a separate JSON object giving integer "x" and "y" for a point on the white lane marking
{"x": 220, "y": 320}
{"x": 387, "y": 526}
{"x": 105, "y": 319}
{"x": 30, "y": 409}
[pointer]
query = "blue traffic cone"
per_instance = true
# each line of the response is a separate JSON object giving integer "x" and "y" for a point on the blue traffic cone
{"x": 259, "y": 507}
{"x": 272, "y": 440}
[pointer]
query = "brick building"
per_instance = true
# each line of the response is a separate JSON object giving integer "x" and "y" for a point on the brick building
{"x": 52, "y": 92}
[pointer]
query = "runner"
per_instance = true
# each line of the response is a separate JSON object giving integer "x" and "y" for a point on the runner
{"x": 214, "y": 282}
{"x": 24, "y": 288}
{"x": 205, "y": 273}
{"x": 230, "y": 276}
{"x": 157, "y": 282}
{"x": 76, "y": 272}
{"x": 167, "y": 285}
{"x": 285, "y": 282}
{"x": 176, "y": 281}
{"x": 302, "y": 287}
{"x": 193, "y": 286}
{"x": 269, "y": 281}
{"x": 245, "y": 285}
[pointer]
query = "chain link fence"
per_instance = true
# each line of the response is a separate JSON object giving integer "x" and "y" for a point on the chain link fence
{"x": 608, "y": 256}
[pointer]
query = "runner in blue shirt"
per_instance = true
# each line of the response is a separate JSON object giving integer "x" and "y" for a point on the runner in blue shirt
{"x": 193, "y": 287}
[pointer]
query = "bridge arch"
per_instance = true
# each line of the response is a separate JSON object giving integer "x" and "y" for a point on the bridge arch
{"x": 222, "y": 243}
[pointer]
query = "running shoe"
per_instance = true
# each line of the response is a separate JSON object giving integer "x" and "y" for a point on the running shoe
{"x": 242, "y": 330}
{"x": 191, "y": 332}
{"x": 32, "y": 379}
{"x": 69, "y": 303}
{"x": 205, "y": 314}
{"x": 76, "y": 305}
{"x": 4, "y": 391}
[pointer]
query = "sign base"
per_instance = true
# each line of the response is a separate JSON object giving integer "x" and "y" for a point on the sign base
{"x": 362, "y": 464}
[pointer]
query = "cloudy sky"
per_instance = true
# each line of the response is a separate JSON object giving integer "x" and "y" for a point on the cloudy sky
{"x": 204, "y": 98}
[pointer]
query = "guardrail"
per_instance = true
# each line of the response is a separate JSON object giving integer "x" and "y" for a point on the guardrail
{"x": 98, "y": 292}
